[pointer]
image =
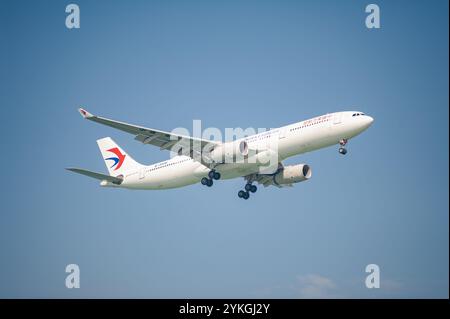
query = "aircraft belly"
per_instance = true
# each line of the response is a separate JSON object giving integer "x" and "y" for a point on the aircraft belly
{"x": 180, "y": 176}
{"x": 229, "y": 171}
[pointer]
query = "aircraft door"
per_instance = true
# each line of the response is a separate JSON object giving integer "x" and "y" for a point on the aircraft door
{"x": 142, "y": 173}
{"x": 337, "y": 118}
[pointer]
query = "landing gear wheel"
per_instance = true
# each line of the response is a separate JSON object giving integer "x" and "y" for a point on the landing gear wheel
{"x": 342, "y": 151}
{"x": 243, "y": 194}
{"x": 253, "y": 189}
{"x": 204, "y": 181}
{"x": 210, "y": 182}
{"x": 212, "y": 174}
{"x": 248, "y": 187}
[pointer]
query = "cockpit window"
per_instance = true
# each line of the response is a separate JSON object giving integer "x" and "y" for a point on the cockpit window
{"x": 358, "y": 114}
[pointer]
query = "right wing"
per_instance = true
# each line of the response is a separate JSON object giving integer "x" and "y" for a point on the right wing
{"x": 102, "y": 177}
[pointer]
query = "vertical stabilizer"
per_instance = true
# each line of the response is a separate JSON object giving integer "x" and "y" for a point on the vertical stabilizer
{"x": 116, "y": 159}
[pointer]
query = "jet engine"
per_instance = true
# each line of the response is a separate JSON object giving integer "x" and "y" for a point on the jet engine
{"x": 293, "y": 174}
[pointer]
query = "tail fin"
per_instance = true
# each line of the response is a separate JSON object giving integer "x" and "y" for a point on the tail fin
{"x": 116, "y": 159}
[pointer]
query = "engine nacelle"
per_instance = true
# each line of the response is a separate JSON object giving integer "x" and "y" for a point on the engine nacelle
{"x": 229, "y": 152}
{"x": 293, "y": 174}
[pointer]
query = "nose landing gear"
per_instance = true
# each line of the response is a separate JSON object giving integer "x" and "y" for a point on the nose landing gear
{"x": 342, "y": 149}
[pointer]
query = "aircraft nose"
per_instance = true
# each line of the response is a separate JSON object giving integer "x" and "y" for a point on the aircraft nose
{"x": 368, "y": 120}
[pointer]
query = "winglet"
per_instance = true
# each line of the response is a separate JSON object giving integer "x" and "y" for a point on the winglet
{"x": 85, "y": 113}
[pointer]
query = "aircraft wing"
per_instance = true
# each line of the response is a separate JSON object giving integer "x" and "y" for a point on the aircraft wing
{"x": 163, "y": 140}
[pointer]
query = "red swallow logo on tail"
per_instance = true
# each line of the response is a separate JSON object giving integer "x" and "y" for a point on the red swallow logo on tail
{"x": 118, "y": 160}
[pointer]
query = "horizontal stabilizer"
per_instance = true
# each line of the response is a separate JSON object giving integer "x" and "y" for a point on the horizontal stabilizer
{"x": 102, "y": 177}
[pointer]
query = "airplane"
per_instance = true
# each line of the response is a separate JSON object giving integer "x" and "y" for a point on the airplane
{"x": 217, "y": 160}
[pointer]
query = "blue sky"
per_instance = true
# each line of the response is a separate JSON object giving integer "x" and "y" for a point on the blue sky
{"x": 162, "y": 64}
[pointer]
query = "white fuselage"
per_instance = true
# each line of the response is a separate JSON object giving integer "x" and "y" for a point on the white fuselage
{"x": 293, "y": 139}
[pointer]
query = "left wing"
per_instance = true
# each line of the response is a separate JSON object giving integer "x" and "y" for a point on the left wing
{"x": 163, "y": 140}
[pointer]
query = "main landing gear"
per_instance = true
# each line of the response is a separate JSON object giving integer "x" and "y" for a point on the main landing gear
{"x": 342, "y": 149}
{"x": 249, "y": 188}
{"x": 212, "y": 175}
